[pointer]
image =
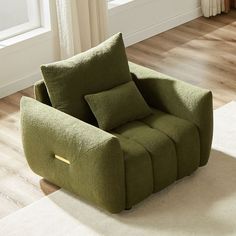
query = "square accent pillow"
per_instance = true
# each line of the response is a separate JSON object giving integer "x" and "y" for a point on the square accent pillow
{"x": 100, "y": 68}
{"x": 118, "y": 105}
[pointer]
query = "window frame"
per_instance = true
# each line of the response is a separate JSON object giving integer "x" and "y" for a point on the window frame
{"x": 34, "y": 22}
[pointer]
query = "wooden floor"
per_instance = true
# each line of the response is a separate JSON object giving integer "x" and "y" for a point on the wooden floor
{"x": 201, "y": 52}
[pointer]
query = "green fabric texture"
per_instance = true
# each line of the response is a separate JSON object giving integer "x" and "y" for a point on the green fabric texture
{"x": 179, "y": 99}
{"x": 138, "y": 171}
{"x": 158, "y": 146}
{"x": 185, "y": 137}
{"x": 119, "y": 169}
{"x": 41, "y": 93}
{"x": 118, "y": 106}
{"x": 96, "y": 172}
{"x": 98, "y": 69}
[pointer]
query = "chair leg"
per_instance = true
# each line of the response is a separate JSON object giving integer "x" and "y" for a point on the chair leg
{"x": 47, "y": 187}
{"x": 128, "y": 208}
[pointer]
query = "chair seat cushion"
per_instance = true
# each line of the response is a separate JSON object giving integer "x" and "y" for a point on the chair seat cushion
{"x": 183, "y": 134}
{"x": 138, "y": 171}
{"x": 158, "y": 150}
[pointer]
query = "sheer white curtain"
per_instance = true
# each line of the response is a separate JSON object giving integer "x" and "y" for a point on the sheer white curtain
{"x": 214, "y": 7}
{"x": 82, "y": 24}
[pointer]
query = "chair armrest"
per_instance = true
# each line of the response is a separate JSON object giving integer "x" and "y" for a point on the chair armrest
{"x": 94, "y": 167}
{"x": 40, "y": 93}
{"x": 180, "y": 99}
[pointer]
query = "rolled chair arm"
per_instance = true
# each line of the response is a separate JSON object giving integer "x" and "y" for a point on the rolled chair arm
{"x": 180, "y": 99}
{"x": 73, "y": 154}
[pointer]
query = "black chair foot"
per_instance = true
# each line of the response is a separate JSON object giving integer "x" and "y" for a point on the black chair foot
{"x": 128, "y": 208}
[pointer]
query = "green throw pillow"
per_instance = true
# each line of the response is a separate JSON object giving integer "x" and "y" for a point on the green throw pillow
{"x": 118, "y": 105}
{"x": 100, "y": 68}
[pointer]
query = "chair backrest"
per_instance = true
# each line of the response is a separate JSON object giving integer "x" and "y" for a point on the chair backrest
{"x": 98, "y": 69}
{"x": 41, "y": 93}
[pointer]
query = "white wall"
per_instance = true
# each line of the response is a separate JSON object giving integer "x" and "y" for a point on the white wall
{"x": 138, "y": 20}
{"x": 141, "y": 19}
{"x": 20, "y": 62}
{"x": 20, "y": 66}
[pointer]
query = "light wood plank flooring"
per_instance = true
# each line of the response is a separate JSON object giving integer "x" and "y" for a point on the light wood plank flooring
{"x": 201, "y": 52}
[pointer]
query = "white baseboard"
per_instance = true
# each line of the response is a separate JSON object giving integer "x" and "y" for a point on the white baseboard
{"x": 161, "y": 27}
{"x": 18, "y": 85}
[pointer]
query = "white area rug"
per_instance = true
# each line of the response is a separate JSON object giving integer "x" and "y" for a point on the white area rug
{"x": 202, "y": 204}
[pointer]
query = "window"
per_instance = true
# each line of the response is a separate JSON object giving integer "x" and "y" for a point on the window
{"x": 18, "y": 16}
{"x": 116, "y": 3}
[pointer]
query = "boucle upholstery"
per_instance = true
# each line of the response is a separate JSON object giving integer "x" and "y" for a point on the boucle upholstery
{"x": 119, "y": 169}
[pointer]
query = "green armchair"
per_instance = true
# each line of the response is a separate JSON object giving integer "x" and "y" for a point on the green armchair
{"x": 116, "y": 170}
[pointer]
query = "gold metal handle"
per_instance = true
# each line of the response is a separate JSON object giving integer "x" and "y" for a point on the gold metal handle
{"x": 62, "y": 159}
